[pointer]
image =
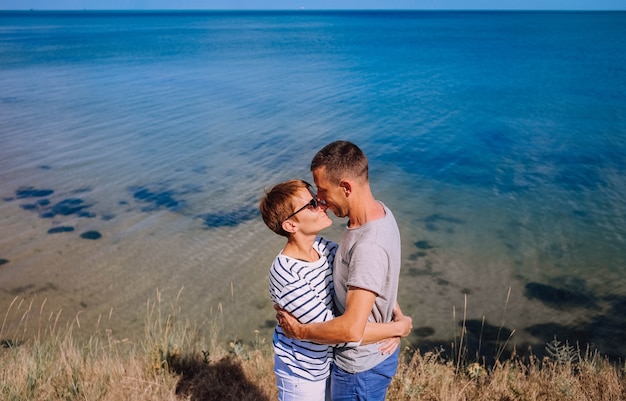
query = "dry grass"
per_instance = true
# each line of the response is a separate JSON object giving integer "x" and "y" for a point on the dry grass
{"x": 173, "y": 362}
{"x": 428, "y": 377}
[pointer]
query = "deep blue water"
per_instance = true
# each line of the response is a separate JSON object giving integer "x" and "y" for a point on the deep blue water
{"x": 498, "y": 138}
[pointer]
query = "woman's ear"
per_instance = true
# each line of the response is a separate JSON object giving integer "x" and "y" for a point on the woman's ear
{"x": 289, "y": 226}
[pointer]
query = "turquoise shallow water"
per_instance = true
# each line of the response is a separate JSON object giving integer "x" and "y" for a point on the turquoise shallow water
{"x": 497, "y": 138}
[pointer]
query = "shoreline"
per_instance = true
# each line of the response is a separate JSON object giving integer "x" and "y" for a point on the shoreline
{"x": 142, "y": 254}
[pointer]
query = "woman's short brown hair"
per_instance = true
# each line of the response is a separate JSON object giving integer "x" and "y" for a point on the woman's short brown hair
{"x": 276, "y": 205}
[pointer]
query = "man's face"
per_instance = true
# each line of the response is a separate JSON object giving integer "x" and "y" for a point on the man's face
{"x": 332, "y": 194}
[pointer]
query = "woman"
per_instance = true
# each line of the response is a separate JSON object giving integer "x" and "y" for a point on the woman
{"x": 301, "y": 283}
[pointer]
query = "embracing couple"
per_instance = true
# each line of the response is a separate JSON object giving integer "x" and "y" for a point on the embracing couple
{"x": 339, "y": 323}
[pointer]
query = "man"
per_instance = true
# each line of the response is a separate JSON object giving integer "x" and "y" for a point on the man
{"x": 366, "y": 274}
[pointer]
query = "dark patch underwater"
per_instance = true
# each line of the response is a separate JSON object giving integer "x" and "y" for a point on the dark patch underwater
{"x": 230, "y": 218}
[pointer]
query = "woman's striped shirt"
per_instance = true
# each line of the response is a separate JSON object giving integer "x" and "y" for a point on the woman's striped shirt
{"x": 305, "y": 289}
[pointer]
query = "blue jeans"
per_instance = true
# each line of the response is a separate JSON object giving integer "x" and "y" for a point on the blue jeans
{"x": 370, "y": 385}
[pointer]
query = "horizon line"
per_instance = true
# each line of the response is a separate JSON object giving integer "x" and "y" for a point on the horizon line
{"x": 309, "y": 9}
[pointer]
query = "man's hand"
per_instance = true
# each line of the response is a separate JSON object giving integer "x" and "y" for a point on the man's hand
{"x": 406, "y": 324}
{"x": 287, "y": 322}
{"x": 389, "y": 345}
{"x": 405, "y": 321}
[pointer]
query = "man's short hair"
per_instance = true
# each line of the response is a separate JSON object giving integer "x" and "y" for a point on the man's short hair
{"x": 276, "y": 205}
{"x": 342, "y": 159}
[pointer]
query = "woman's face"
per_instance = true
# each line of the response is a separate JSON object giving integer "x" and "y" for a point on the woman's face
{"x": 310, "y": 220}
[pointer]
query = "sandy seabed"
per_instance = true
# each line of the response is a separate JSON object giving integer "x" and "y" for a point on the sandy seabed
{"x": 222, "y": 273}
{"x": 219, "y": 275}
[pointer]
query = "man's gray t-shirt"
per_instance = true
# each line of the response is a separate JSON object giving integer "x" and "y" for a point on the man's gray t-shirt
{"x": 369, "y": 258}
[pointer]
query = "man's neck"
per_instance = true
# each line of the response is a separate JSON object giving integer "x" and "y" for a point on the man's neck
{"x": 365, "y": 211}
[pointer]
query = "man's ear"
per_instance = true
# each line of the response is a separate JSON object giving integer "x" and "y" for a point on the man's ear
{"x": 289, "y": 226}
{"x": 347, "y": 187}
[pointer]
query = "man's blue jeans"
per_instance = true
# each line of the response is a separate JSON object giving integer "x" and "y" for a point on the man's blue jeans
{"x": 370, "y": 385}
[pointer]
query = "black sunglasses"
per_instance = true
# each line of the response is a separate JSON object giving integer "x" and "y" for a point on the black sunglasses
{"x": 313, "y": 203}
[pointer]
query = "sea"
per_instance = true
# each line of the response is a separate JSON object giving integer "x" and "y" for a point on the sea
{"x": 135, "y": 146}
